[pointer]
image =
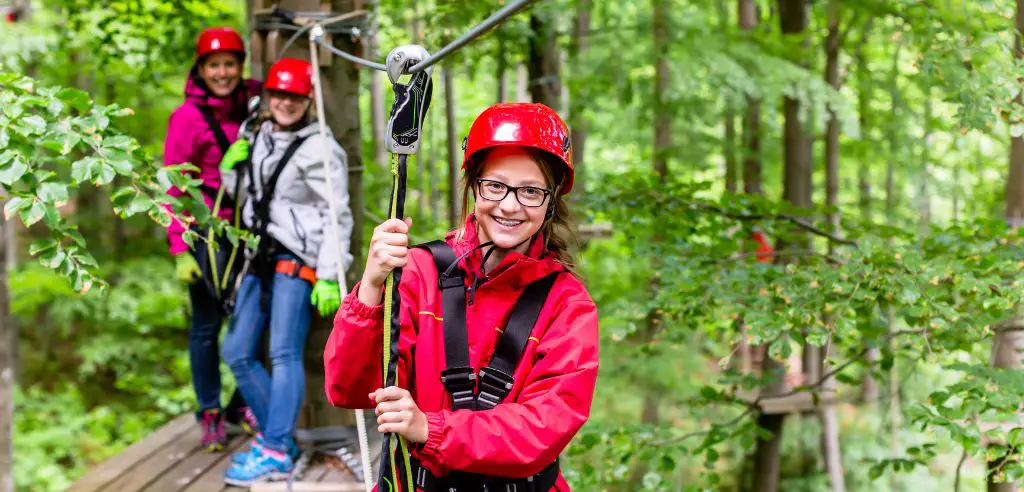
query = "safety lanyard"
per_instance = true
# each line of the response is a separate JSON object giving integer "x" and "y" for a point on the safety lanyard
{"x": 403, "y": 133}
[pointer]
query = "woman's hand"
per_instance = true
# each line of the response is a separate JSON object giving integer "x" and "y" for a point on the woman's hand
{"x": 389, "y": 249}
{"x": 397, "y": 412}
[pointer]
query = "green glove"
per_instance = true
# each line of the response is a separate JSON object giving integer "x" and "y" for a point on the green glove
{"x": 237, "y": 152}
{"x": 326, "y": 297}
{"x": 187, "y": 267}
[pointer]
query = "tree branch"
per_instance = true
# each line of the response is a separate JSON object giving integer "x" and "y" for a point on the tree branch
{"x": 794, "y": 220}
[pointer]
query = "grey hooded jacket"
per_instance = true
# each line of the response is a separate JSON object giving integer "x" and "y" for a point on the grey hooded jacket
{"x": 299, "y": 214}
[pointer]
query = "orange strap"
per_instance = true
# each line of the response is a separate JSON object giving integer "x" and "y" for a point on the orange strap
{"x": 296, "y": 269}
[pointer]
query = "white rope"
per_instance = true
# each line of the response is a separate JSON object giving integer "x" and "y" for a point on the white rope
{"x": 316, "y": 32}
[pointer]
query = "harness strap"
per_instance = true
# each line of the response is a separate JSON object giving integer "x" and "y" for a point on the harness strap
{"x": 458, "y": 378}
{"x": 496, "y": 379}
{"x": 471, "y": 482}
{"x": 218, "y": 132}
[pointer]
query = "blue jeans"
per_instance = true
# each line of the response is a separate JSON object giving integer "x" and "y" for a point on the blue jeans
{"x": 204, "y": 359}
{"x": 274, "y": 398}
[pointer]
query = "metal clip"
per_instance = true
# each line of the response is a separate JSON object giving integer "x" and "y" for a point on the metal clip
{"x": 411, "y": 100}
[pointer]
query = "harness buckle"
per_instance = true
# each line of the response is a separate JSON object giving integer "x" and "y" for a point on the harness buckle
{"x": 461, "y": 384}
{"x": 445, "y": 282}
{"x": 495, "y": 385}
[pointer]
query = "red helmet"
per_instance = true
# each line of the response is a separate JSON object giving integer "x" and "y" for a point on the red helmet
{"x": 291, "y": 75}
{"x": 522, "y": 124}
{"x": 217, "y": 39}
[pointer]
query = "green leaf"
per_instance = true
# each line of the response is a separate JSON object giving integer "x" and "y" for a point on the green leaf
{"x": 5, "y": 138}
{"x": 53, "y": 258}
{"x": 81, "y": 170}
{"x": 105, "y": 175}
{"x": 14, "y": 205}
{"x": 42, "y": 245}
{"x": 13, "y": 170}
{"x": 75, "y": 98}
{"x": 35, "y": 122}
{"x": 56, "y": 193}
{"x": 31, "y": 214}
{"x": 708, "y": 393}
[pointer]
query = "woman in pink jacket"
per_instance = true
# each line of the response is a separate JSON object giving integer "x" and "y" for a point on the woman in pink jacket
{"x": 199, "y": 132}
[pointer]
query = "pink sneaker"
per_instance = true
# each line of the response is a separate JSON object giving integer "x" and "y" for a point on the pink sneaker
{"x": 214, "y": 436}
{"x": 248, "y": 422}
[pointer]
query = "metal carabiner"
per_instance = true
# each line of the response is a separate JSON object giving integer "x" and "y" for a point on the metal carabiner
{"x": 402, "y": 58}
{"x": 411, "y": 102}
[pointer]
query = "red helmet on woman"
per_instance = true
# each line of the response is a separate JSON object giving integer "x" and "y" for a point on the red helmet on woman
{"x": 291, "y": 75}
{"x": 522, "y": 124}
{"x": 216, "y": 39}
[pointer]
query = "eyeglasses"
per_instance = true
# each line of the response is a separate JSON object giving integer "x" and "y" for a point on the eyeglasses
{"x": 496, "y": 191}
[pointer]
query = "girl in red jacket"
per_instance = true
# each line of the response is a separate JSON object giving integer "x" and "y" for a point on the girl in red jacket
{"x": 518, "y": 167}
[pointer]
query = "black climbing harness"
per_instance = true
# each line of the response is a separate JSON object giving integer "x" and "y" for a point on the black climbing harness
{"x": 484, "y": 391}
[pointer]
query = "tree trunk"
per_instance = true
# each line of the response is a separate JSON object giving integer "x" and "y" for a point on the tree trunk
{"x": 378, "y": 115}
{"x": 578, "y": 97}
{"x": 662, "y": 143}
{"x": 796, "y": 191}
{"x": 869, "y": 387}
{"x": 829, "y": 425}
{"x": 7, "y": 342}
{"x": 890, "y": 215}
{"x": 545, "y": 85}
{"x": 1009, "y": 339}
{"x": 730, "y": 149}
{"x": 662, "y": 112}
{"x": 454, "y": 193}
{"x": 502, "y": 62}
{"x": 924, "y": 192}
{"x": 522, "y": 81}
{"x": 752, "y": 180}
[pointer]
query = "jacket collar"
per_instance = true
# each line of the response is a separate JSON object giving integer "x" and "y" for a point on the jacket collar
{"x": 517, "y": 268}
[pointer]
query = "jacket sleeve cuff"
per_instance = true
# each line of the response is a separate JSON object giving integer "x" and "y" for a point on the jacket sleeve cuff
{"x": 353, "y": 305}
{"x": 435, "y": 428}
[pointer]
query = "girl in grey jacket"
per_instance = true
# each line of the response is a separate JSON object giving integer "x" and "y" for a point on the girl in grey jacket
{"x": 296, "y": 264}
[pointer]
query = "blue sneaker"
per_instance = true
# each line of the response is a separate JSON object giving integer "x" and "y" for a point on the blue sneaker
{"x": 267, "y": 467}
{"x": 241, "y": 457}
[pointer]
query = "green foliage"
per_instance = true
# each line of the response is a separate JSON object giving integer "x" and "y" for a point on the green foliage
{"x": 99, "y": 371}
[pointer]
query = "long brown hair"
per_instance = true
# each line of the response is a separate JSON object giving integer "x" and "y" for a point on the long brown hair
{"x": 558, "y": 228}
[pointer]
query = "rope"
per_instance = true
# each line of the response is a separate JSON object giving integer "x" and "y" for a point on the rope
{"x": 495, "y": 19}
{"x": 364, "y": 442}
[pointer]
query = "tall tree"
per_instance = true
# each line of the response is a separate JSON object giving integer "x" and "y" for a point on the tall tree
{"x": 796, "y": 191}
{"x": 731, "y": 171}
{"x": 865, "y": 86}
{"x": 578, "y": 97}
{"x": 752, "y": 180}
{"x": 1008, "y": 343}
{"x": 7, "y": 343}
{"x": 829, "y": 423}
{"x": 454, "y": 194}
{"x": 377, "y": 112}
{"x": 545, "y": 85}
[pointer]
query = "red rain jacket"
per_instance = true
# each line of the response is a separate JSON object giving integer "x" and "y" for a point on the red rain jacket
{"x": 554, "y": 381}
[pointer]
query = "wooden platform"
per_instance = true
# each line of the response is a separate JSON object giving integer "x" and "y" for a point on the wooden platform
{"x": 169, "y": 460}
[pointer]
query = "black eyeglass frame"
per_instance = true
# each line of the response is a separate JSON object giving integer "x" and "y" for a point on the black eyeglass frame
{"x": 510, "y": 189}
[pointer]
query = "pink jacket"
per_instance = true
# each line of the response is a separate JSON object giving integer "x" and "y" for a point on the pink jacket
{"x": 190, "y": 140}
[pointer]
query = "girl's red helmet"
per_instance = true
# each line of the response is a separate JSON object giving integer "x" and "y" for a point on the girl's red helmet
{"x": 521, "y": 124}
{"x": 291, "y": 75}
